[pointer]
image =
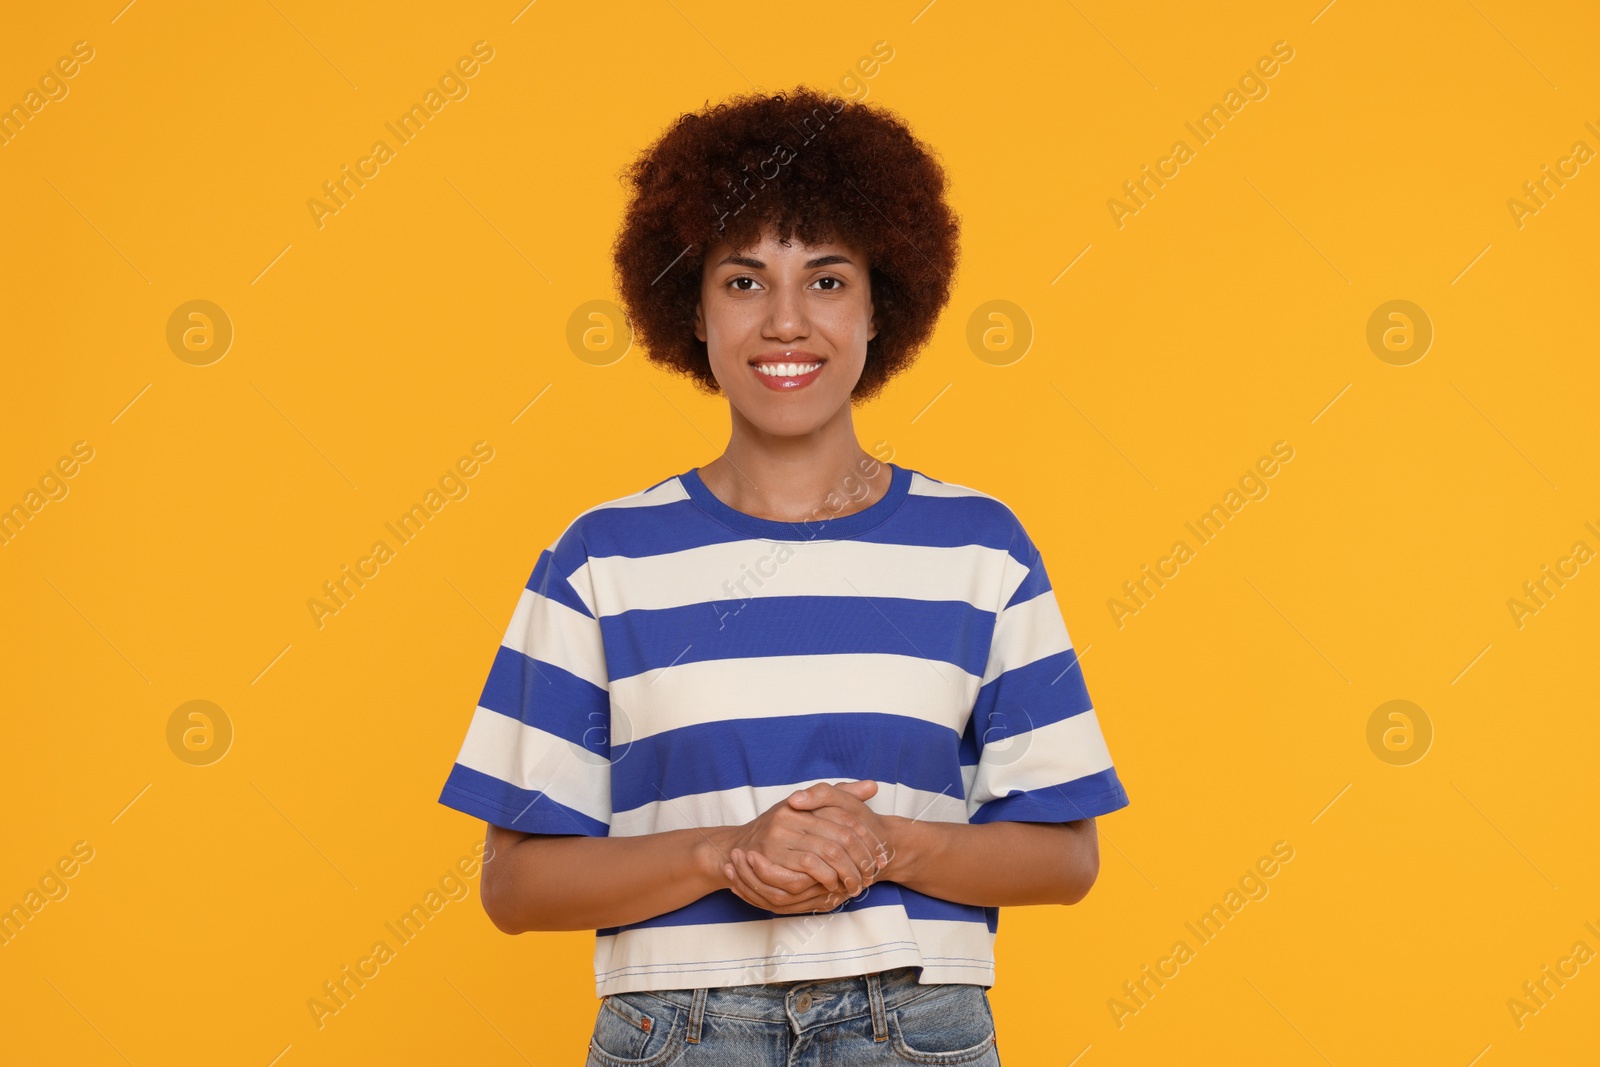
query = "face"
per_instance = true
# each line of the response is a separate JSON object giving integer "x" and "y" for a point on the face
{"x": 774, "y": 309}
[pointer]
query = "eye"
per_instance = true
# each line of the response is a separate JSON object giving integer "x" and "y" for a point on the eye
{"x": 838, "y": 282}
{"x": 734, "y": 282}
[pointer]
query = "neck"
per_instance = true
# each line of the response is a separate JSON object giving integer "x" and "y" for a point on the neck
{"x": 824, "y": 474}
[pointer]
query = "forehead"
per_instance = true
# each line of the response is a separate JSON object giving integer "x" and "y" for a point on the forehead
{"x": 770, "y": 251}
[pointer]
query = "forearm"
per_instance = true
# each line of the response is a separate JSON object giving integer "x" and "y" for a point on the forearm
{"x": 588, "y": 883}
{"x": 996, "y": 864}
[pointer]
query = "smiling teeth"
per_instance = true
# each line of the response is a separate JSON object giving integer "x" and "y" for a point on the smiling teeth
{"x": 786, "y": 370}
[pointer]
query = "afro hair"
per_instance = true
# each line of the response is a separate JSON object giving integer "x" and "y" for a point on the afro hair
{"x": 798, "y": 163}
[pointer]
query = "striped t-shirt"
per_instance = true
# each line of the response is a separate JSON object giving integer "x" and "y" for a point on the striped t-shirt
{"x": 676, "y": 663}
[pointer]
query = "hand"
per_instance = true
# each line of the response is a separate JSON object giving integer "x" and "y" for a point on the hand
{"x": 840, "y": 848}
{"x": 824, "y": 853}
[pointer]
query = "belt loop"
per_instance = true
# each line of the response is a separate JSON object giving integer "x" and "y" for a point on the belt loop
{"x": 697, "y": 1011}
{"x": 880, "y": 1025}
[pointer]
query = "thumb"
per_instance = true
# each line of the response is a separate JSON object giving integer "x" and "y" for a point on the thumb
{"x": 813, "y": 795}
{"x": 809, "y": 797}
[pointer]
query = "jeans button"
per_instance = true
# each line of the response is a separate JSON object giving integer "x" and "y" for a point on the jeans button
{"x": 803, "y": 1002}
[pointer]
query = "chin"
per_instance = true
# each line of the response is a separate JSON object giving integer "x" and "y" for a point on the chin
{"x": 795, "y": 423}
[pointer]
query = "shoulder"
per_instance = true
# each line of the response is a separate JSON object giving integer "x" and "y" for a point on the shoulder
{"x": 594, "y": 530}
{"x": 562, "y": 571}
{"x": 967, "y": 505}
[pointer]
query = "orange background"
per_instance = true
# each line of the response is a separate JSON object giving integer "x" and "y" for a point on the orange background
{"x": 432, "y": 311}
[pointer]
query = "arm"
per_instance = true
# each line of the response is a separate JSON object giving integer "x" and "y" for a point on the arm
{"x": 996, "y": 864}
{"x": 990, "y": 864}
{"x": 529, "y": 880}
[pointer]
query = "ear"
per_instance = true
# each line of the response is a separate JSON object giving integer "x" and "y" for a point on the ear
{"x": 872, "y": 321}
{"x": 699, "y": 321}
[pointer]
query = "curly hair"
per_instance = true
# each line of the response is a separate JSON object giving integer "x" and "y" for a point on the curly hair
{"x": 802, "y": 164}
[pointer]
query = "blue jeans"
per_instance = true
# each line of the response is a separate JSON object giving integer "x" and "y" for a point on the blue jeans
{"x": 863, "y": 1020}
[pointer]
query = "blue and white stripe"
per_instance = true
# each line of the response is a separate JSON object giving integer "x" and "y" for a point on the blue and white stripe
{"x": 674, "y": 663}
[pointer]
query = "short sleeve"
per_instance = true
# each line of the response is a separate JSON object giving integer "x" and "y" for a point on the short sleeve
{"x": 537, "y": 754}
{"x": 1041, "y": 756}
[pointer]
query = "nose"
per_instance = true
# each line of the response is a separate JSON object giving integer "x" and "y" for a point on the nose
{"x": 786, "y": 315}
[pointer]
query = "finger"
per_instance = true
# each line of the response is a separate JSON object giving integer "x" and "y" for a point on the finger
{"x": 817, "y": 899}
{"x": 869, "y": 826}
{"x": 826, "y": 793}
{"x": 742, "y": 889}
{"x": 749, "y": 898}
{"x": 844, "y": 804}
{"x": 809, "y": 797}
{"x": 804, "y": 908}
{"x": 863, "y": 865}
{"x": 843, "y": 849}
{"x": 766, "y": 872}
{"x": 853, "y": 833}
{"x": 775, "y": 880}
{"x": 813, "y": 900}
{"x": 825, "y": 902}
{"x": 822, "y": 859}
{"x": 784, "y": 880}
{"x": 739, "y": 884}
{"x": 778, "y": 884}
{"x": 801, "y": 873}
{"x": 746, "y": 888}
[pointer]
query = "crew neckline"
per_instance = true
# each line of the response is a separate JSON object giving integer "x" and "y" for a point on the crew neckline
{"x": 822, "y": 529}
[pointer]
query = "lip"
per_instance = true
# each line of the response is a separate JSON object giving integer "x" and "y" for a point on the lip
{"x": 787, "y": 385}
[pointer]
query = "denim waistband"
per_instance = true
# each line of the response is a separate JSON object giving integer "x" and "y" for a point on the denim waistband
{"x": 773, "y": 999}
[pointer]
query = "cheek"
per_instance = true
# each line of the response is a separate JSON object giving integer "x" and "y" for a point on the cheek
{"x": 721, "y": 327}
{"x": 850, "y": 330}
{"x": 726, "y": 338}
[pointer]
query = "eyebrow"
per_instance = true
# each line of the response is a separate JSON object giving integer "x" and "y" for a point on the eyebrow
{"x": 820, "y": 261}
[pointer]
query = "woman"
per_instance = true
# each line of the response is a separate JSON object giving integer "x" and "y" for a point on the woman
{"x": 786, "y": 730}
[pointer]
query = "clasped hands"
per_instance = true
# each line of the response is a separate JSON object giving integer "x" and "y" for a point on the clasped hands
{"x": 811, "y": 852}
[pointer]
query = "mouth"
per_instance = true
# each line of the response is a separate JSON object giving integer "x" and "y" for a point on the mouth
{"x": 787, "y": 371}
